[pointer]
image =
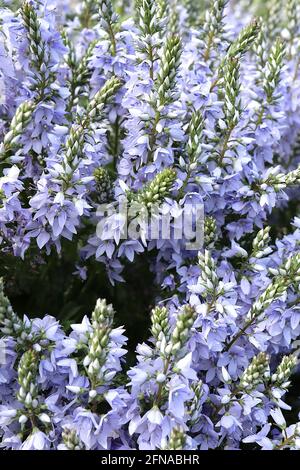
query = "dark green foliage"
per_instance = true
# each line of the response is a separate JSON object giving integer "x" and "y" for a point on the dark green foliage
{"x": 38, "y": 286}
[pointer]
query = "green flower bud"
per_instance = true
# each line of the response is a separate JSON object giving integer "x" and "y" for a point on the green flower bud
{"x": 98, "y": 341}
{"x": 256, "y": 373}
{"x": 169, "y": 65}
{"x": 160, "y": 324}
{"x": 103, "y": 185}
{"x": 10, "y": 323}
{"x": 182, "y": 330}
{"x": 213, "y": 27}
{"x": 244, "y": 41}
{"x": 155, "y": 191}
{"x": 260, "y": 243}
{"x": 27, "y": 372}
{"x": 71, "y": 439}
{"x": 210, "y": 230}
{"x": 208, "y": 278}
{"x": 102, "y": 97}
{"x": 283, "y": 372}
{"x": 288, "y": 275}
{"x": 18, "y": 124}
{"x": 177, "y": 439}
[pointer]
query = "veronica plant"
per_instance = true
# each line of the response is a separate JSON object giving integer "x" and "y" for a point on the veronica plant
{"x": 162, "y": 108}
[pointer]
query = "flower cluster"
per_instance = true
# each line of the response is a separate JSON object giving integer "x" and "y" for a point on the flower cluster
{"x": 154, "y": 104}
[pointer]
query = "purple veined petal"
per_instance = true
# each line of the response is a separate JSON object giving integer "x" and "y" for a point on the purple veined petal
{"x": 155, "y": 416}
{"x": 295, "y": 319}
{"x": 227, "y": 422}
{"x": 71, "y": 226}
{"x": 56, "y": 227}
{"x": 266, "y": 443}
{"x": 59, "y": 198}
{"x": 42, "y": 239}
{"x": 245, "y": 286}
{"x": 278, "y": 417}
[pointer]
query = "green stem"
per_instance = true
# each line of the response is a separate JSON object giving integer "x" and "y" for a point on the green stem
{"x": 160, "y": 388}
{"x": 214, "y": 84}
{"x": 153, "y": 136}
{"x": 285, "y": 442}
{"x": 209, "y": 45}
{"x": 225, "y": 145}
{"x": 151, "y": 58}
{"x": 240, "y": 333}
{"x": 112, "y": 39}
{"x": 185, "y": 183}
{"x": 116, "y": 146}
{"x": 260, "y": 116}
